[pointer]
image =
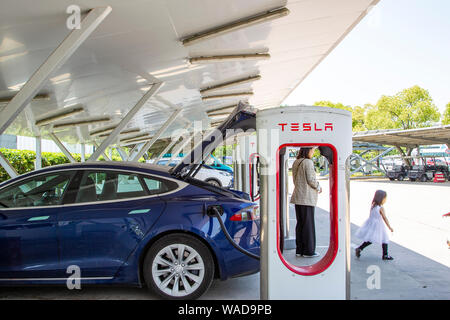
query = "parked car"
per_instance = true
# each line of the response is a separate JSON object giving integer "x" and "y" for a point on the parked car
{"x": 217, "y": 177}
{"x": 213, "y": 163}
{"x": 126, "y": 223}
{"x": 421, "y": 173}
{"x": 438, "y": 162}
{"x": 399, "y": 172}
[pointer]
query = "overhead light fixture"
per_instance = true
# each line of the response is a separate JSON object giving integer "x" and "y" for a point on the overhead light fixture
{"x": 227, "y": 95}
{"x": 225, "y": 108}
{"x": 229, "y": 57}
{"x": 102, "y": 130}
{"x": 236, "y": 25}
{"x": 126, "y": 131}
{"x": 136, "y": 140}
{"x": 61, "y": 78}
{"x": 38, "y": 97}
{"x": 230, "y": 84}
{"x": 59, "y": 114}
{"x": 221, "y": 116}
{"x": 218, "y": 114}
{"x": 216, "y": 122}
{"x": 135, "y": 136}
{"x": 81, "y": 121}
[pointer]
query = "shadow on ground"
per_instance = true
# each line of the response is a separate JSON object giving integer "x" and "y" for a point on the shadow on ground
{"x": 409, "y": 276}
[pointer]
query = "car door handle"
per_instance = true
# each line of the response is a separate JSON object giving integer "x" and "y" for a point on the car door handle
{"x": 139, "y": 211}
{"x": 40, "y": 218}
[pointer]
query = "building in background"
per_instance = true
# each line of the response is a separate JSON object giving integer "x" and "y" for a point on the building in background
{"x": 29, "y": 143}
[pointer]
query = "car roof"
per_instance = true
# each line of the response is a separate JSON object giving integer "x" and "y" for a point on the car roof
{"x": 115, "y": 165}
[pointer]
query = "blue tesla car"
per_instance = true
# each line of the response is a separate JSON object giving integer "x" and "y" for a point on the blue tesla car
{"x": 125, "y": 223}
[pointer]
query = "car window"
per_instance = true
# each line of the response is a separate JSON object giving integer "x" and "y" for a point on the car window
{"x": 129, "y": 183}
{"x": 109, "y": 185}
{"x": 158, "y": 186}
{"x": 44, "y": 190}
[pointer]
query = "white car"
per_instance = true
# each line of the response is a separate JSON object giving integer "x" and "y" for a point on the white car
{"x": 215, "y": 177}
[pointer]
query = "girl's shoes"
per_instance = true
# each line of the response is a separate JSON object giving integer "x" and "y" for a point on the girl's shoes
{"x": 387, "y": 257}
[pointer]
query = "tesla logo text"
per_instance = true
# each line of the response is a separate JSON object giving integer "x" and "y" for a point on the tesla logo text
{"x": 305, "y": 126}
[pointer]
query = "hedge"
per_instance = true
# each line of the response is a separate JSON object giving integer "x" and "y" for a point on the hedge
{"x": 23, "y": 160}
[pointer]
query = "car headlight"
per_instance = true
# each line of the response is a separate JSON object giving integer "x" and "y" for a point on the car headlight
{"x": 225, "y": 173}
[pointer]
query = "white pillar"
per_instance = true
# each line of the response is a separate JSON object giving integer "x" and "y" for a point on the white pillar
{"x": 83, "y": 152}
{"x": 38, "y": 161}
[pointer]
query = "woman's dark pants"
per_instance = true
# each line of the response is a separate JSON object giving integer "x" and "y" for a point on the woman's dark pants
{"x": 305, "y": 231}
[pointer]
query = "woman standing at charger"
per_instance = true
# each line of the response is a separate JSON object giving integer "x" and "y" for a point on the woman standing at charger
{"x": 306, "y": 190}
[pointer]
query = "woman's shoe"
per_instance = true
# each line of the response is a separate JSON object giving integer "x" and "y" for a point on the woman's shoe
{"x": 315, "y": 254}
{"x": 386, "y": 257}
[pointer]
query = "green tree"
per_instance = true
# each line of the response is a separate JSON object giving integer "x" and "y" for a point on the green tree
{"x": 330, "y": 104}
{"x": 408, "y": 109}
{"x": 377, "y": 119}
{"x": 358, "y": 113}
{"x": 446, "y": 115}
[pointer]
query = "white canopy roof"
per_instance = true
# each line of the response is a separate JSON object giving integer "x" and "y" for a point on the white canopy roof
{"x": 140, "y": 40}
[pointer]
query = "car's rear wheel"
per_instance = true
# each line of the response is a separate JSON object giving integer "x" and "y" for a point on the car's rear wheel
{"x": 401, "y": 178}
{"x": 178, "y": 266}
{"x": 423, "y": 178}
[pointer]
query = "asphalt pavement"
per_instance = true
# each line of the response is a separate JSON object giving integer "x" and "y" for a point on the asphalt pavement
{"x": 420, "y": 269}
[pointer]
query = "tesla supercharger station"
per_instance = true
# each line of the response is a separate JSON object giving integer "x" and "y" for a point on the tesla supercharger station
{"x": 331, "y": 131}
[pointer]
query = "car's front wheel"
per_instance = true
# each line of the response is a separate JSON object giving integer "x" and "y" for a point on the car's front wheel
{"x": 214, "y": 182}
{"x": 179, "y": 266}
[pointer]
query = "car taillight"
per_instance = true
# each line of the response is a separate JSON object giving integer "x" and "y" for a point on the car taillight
{"x": 247, "y": 214}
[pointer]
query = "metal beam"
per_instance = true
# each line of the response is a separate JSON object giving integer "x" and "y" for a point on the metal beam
{"x": 122, "y": 153}
{"x": 371, "y": 162}
{"x": 103, "y": 153}
{"x": 7, "y": 166}
{"x": 166, "y": 149}
{"x": 172, "y": 143}
{"x": 154, "y": 88}
{"x": 62, "y": 147}
{"x": 69, "y": 45}
{"x": 135, "y": 149}
{"x": 183, "y": 144}
{"x": 149, "y": 144}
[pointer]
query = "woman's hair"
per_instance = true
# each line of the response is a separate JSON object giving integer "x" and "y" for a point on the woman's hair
{"x": 378, "y": 198}
{"x": 304, "y": 152}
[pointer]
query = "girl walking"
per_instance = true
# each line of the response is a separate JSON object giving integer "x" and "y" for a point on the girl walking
{"x": 373, "y": 230}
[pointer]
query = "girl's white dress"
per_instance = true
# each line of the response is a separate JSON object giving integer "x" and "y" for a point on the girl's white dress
{"x": 373, "y": 229}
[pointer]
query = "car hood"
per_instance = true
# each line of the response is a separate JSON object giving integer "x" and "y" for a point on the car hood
{"x": 240, "y": 120}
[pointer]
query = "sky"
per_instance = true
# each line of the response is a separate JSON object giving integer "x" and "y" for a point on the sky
{"x": 399, "y": 44}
